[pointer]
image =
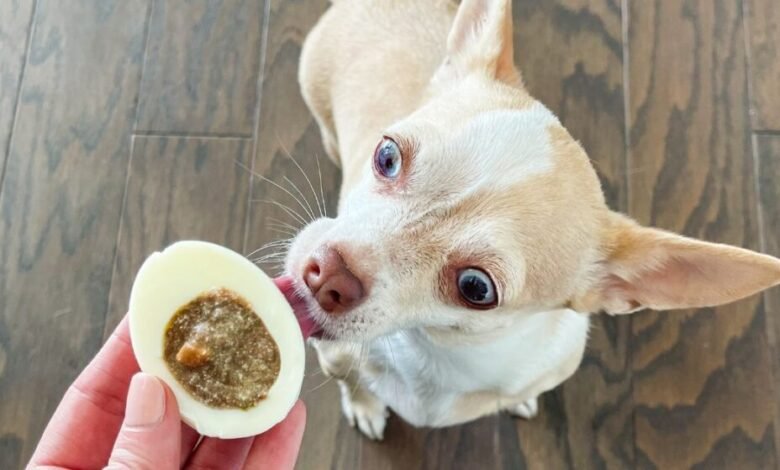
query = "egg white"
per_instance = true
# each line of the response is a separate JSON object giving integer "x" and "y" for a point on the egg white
{"x": 170, "y": 279}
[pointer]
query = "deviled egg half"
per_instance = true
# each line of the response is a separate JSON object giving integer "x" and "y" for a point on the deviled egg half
{"x": 215, "y": 328}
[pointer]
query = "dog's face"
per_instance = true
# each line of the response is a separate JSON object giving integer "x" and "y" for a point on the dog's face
{"x": 460, "y": 221}
{"x": 480, "y": 206}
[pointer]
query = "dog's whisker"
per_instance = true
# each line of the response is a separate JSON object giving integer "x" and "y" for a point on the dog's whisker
{"x": 295, "y": 187}
{"x": 317, "y": 371}
{"x": 352, "y": 359}
{"x": 269, "y": 258}
{"x": 298, "y": 217}
{"x": 282, "y": 229}
{"x": 254, "y": 174}
{"x": 283, "y": 244}
{"x": 283, "y": 223}
{"x": 324, "y": 207}
{"x": 392, "y": 353}
{"x": 258, "y": 250}
{"x": 299, "y": 168}
{"x": 360, "y": 361}
{"x": 280, "y": 242}
{"x": 272, "y": 261}
{"x": 306, "y": 208}
{"x": 386, "y": 372}
{"x": 272, "y": 256}
{"x": 330, "y": 377}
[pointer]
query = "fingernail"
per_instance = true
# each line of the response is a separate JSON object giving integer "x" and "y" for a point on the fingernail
{"x": 145, "y": 401}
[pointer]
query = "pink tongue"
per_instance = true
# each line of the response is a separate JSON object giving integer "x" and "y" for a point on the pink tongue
{"x": 308, "y": 326}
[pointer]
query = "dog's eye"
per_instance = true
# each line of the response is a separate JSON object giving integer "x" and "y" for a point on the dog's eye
{"x": 387, "y": 159}
{"x": 476, "y": 288}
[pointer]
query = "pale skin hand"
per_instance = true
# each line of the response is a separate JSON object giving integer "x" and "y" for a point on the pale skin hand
{"x": 105, "y": 421}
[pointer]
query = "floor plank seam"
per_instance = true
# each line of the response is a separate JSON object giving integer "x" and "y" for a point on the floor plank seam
{"x": 748, "y": 63}
{"x": 626, "y": 22}
{"x": 624, "y": 19}
{"x": 131, "y": 148}
{"x": 766, "y": 132}
{"x": 190, "y": 135}
{"x": 256, "y": 124}
{"x": 15, "y": 111}
{"x": 147, "y": 33}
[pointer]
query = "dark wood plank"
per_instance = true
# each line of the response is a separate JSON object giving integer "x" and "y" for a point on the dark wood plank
{"x": 702, "y": 385}
{"x": 178, "y": 189}
{"x": 477, "y": 444}
{"x": 287, "y": 129}
{"x": 60, "y": 205}
{"x": 15, "y": 16}
{"x": 571, "y": 56}
{"x": 763, "y": 25}
{"x": 200, "y": 74}
{"x": 768, "y": 151}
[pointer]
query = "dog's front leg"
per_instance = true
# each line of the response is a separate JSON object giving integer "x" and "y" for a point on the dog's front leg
{"x": 526, "y": 409}
{"x": 361, "y": 407}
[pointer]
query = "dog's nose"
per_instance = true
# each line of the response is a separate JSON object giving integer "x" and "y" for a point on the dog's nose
{"x": 331, "y": 282}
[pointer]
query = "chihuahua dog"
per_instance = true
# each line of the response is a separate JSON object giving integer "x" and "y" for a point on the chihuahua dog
{"x": 473, "y": 240}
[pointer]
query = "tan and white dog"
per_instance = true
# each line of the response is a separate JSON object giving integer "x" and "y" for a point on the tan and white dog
{"x": 473, "y": 240}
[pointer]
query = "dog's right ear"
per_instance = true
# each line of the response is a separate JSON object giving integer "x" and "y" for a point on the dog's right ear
{"x": 651, "y": 268}
{"x": 480, "y": 41}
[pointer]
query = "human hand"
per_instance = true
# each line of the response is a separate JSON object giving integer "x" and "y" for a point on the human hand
{"x": 115, "y": 416}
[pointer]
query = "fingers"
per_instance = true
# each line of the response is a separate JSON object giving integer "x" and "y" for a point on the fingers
{"x": 150, "y": 437}
{"x": 189, "y": 438}
{"x": 277, "y": 449}
{"x": 223, "y": 454}
{"x": 82, "y": 431}
{"x": 105, "y": 380}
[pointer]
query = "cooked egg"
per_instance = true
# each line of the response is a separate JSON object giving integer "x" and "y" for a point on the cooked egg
{"x": 215, "y": 328}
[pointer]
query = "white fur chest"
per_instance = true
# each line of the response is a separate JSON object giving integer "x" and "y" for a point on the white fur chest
{"x": 421, "y": 380}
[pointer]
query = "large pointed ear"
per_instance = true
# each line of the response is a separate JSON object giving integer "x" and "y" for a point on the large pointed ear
{"x": 650, "y": 268}
{"x": 481, "y": 41}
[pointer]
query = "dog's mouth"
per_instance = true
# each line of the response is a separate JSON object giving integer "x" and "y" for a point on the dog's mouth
{"x": 309, "y": 326}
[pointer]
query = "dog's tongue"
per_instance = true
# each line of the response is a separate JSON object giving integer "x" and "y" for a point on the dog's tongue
{"x": 308, "y": 326}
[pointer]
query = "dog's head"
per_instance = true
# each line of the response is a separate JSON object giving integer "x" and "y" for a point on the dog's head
{"x": 480, "y": 206}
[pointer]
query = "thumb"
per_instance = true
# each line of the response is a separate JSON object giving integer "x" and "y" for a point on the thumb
{"x": 150, "y": 437}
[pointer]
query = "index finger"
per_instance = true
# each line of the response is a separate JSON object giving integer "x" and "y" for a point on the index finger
{"x": 277, "y": 448}
{"x": 82, "y": 431}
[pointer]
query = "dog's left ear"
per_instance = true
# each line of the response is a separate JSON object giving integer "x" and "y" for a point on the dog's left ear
{"x": 481, "y": 41}
{"x": 650, "y": 268}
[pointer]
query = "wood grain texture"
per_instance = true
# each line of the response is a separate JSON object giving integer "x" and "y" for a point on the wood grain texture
{"x": 200, "y": 73}
{"x": 763, "y": 27}
{"x": 60, "y": 204}
{"x": 694, "y": 389}
{"x": 702, "y": 390}
{"x": 571, "y": 56}
{"x": 178, "y": 189}
{"x": 15, "y": 16}
{"x": 768, "y": 151}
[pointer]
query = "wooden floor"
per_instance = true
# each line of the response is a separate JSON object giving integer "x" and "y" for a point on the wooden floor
{"x": 128, "y": 124}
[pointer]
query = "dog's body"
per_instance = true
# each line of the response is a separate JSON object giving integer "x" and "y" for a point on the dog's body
{"x": 427, "y": 383}
{"x": 497, "y": 182}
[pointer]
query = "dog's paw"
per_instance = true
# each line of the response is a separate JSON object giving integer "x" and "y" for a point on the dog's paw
{"x": 526, "y": 410}
{"x": 364, "y": 410}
